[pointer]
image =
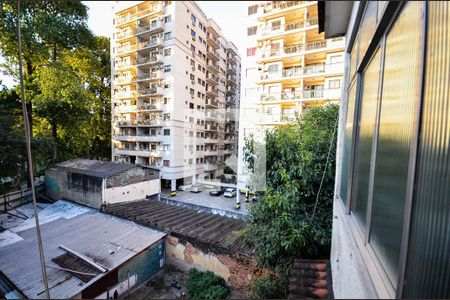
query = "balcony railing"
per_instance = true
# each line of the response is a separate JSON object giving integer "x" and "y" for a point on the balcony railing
{"x": 124, "y": 64}
{"x": 275, "y": 6}
{"x": 211, "y": 102}
{"x": 151, "y": 27}
{"x": 131, "y": 17}
{"x": 150, "y": 91}
{"x": 308, "y": 70}
{"x": 265, "y": 31}
{"x": 130, "y": 94}
{"x": 313, "y": 94}
{"x": 151, "y": 59}
{"x": 316, "y": 45}
{"x": 126, "y": 79}
{"x": 149, "y": 76}
{"x": 149, "y": 107}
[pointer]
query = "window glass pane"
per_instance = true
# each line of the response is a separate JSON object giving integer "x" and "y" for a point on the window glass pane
{"x": 348, "y": 135}
{"x": 354, "y": 58}
{"x": 398, "y": 103}
{"x": 363, "y": 150}
{"x": 368, "y": 26}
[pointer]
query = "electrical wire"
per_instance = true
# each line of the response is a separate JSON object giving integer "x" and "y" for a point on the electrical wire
{"x": 30, "y": 159}
{"x": 325, "y": 168}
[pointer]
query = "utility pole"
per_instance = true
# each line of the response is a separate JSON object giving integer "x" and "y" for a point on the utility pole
{"x": 30, "y": 159}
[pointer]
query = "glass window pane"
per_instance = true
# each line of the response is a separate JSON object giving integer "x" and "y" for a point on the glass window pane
{"x": 368, "y": 108}
{"x": 348, "y": 135}
{"x": 398, "y": 103}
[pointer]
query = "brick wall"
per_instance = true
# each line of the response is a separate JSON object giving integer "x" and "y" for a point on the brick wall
{"x": 238, "y": 271}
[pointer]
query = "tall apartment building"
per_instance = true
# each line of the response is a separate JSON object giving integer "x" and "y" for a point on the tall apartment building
{"x": 289, "y": 67}
{"x": 174, "y": 75}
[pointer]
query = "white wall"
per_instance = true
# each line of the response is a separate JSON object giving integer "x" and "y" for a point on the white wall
{"x": 132, "y": 191}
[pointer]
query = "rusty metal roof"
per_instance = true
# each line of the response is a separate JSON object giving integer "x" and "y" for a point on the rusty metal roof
{"x": 209, "y": 229}
{"x": 103, "y": 238}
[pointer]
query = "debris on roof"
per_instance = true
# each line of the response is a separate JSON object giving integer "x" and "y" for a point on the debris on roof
{"x": 204, "y": 227}
{"x": 311, "y": 279}
{"x": 101, "y": 238}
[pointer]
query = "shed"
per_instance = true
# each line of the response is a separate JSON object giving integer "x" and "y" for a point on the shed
{"x": 88, "y": 254}
{"x": 98, "y": 183}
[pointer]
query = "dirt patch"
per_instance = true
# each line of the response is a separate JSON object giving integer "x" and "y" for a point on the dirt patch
{"x": 169, "y": 283}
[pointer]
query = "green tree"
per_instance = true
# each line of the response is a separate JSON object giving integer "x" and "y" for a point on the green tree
{"x": 281, "y": 225}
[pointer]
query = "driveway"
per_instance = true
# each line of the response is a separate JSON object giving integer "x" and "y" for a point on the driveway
{"x": 205, "y": 199}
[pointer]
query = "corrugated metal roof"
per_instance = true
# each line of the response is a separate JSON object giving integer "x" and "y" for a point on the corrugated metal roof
{"x": 94, "y": 168}
{"x": 108, "y": 240}
{"x": 210, "y": 229}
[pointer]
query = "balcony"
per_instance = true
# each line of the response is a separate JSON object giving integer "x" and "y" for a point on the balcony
{"x": 125, "y": 49}
{"x": 125, "y": 95}
{"x": 210, "y": 103}
{"x": 267, "y": 32}
{"x": 151, "y": 28}
{"x": 143, "y": 122}
{"x": 150, "y": 107}
{"x": 158, "y": 42}
{"x": 314, "y": 70}
{"x": 125, "y": 108}
{"x": 277, "y": 7}
{"x": 231, "y": 59}
{"x": 212, "y": 79}
{"x": 313, "y": 94}
{"x": 154, "y": 91}
{"x": 213, "y": 67}
{"x": 139, "y": 138}
{"x": 209, "y": 127}
{"x": 158, "y": 75}
{"x": 231, "y": 69}
{"x": 124, "y": 80}
{"x": 155, "y": 9}
{"x": 316, "y": 45}
{"x": 212, "y": 92}
{"x": 210, "y": 166}
{"x": 210, "y": 140}
{"x": 156, "y": 59}
{"x": 212, "y": 42}
{"x": 281, "y": 97}
{"x": 122, "y": 65}
{"x": 210, "y": 152}
{"x": 121, "y": 35}
{"x": 211, "y": 115}
{"x": 212, "y": 55}
{"x": 139, "y": 151}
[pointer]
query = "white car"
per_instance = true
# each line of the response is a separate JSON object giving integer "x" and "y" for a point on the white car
{"x": 230, "y": 193}
{"x": 184, "y": 187}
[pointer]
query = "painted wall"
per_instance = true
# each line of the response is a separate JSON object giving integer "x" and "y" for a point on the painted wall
{"x": 239, "y": 274}
{"x": 83, "y": 189}
{"x": 132, "y": 191}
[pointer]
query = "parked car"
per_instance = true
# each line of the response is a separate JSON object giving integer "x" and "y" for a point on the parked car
{"x": 184, "y": 187}
{"x": 217, "y": 191}
{"x": 196, "y": 188}
{"x": 230, "y": 193}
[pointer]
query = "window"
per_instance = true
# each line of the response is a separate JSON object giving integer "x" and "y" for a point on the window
{"x": 166, "y": 147}
{"x": 334, "y": 84}
{"x": 251, "y": 51}
{"x": 251, "y": 30}
{"x": 335, "y": 59}
{"x": 273, "y": 68}
{"x": 276, "y": 25}
{"x": 193, "y": 48}
{"x": 167, "y": 36}
{"x": 252, "y": 9}
{"x": 167, "y": 19}
{"x": 167, "y": 68}
{"x": 166, "y": 163}
{"x": 168, "y": 52}
{"x": 193, "y": 34}
{"x": 191, "y": 105}
{"x": 166, "y": 131}
{"x": 190, "y": 161}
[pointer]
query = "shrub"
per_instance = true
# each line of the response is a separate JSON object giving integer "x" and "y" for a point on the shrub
{"x": 206, "y": 285}
{"x": 270, "y": 287}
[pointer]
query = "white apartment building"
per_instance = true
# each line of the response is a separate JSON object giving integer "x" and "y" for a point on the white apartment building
{"x": 288, "y": 68}
{"x": 174, "y": 76}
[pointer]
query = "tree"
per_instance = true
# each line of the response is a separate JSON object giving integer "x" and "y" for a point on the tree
{"x": 282, "y": 225}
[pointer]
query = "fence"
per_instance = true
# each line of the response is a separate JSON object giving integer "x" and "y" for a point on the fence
{"x": 14, "y": 199}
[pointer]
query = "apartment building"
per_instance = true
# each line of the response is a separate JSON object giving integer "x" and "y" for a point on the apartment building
{"x": 289, "y": 66}
{"x": 391, "y": 224}
{"x": 174, "y": 76}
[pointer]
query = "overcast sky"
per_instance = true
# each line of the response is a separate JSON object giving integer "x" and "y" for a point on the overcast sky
{"x": 229, "y": 15}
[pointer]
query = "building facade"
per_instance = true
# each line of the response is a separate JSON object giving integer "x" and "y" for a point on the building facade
{"x": 391, "y": 225}
{"x": 289, "y": 67}
{"x": 174, "y": 76}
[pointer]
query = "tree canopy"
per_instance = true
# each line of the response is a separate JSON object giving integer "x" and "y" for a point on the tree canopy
{"x": 281, "y": 225}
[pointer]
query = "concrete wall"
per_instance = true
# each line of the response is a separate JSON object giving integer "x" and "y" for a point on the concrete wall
{"x": 238, "y": 273}
{"x": 132, "y": 191}
{"x": 83, "y": 189}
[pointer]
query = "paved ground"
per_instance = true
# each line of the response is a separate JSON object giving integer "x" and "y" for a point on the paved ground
{"x": 169, "y": 283}
{"x": 205, "y": 199}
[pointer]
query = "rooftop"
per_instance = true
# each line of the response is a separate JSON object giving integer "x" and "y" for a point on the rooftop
{"x": 212, "y": 230}
{"x": 94, "y": 168}
{"x": 104, "y": 239}
{"x": 310, "y": 279}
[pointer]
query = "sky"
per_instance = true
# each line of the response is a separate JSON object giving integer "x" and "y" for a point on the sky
{"x": 229, "y": 15}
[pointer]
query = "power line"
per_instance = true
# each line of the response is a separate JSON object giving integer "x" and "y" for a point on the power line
{"x": 30, "y": 159}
